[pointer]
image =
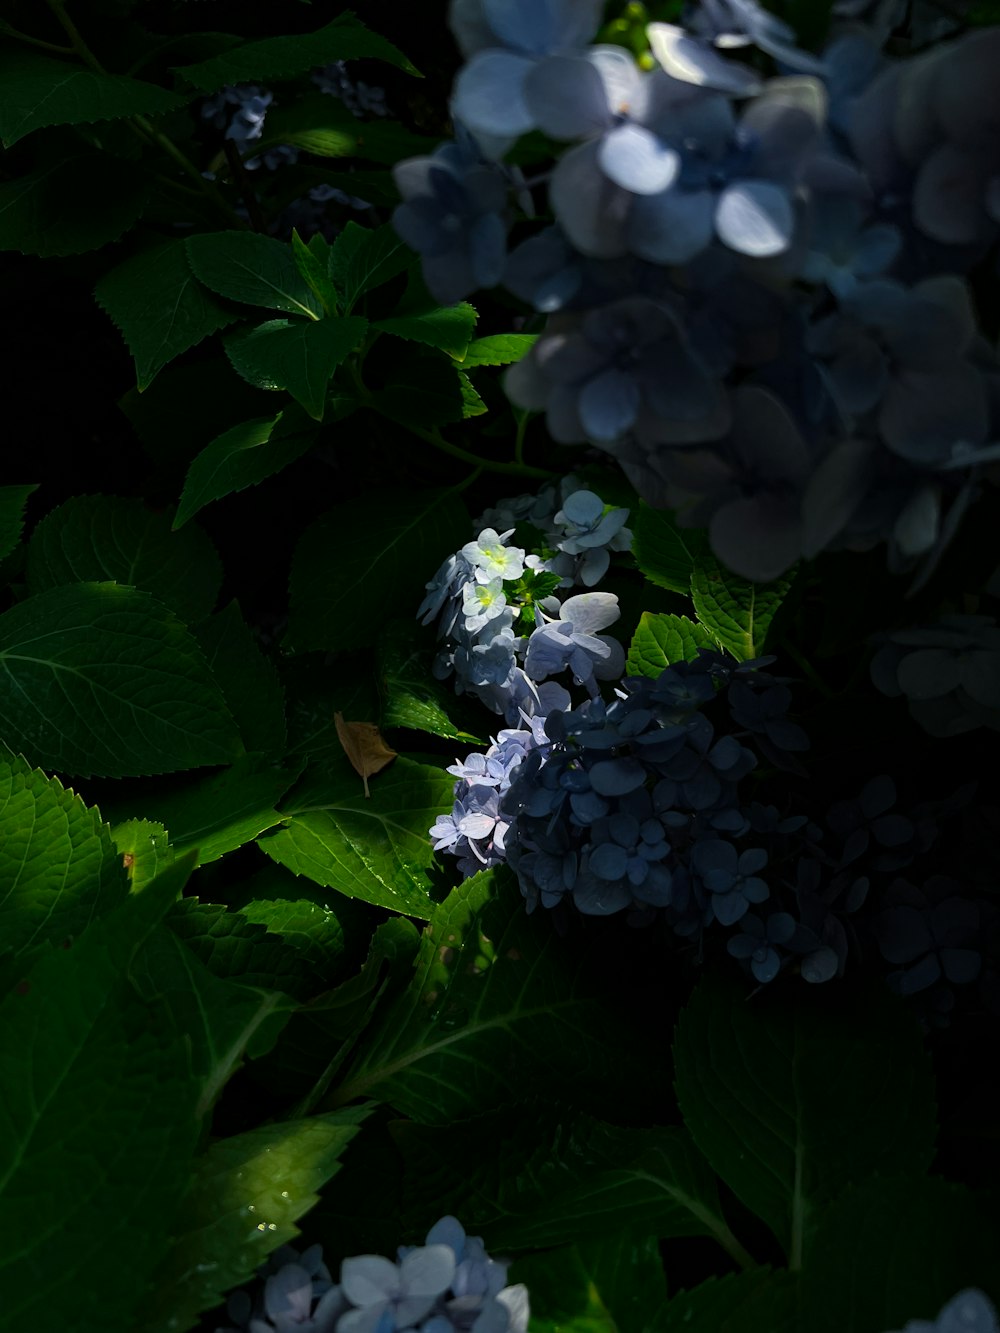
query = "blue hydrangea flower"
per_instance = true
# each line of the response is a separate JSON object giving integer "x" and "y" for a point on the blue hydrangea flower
{"x": 447, "y": 1285}
{"x": 929, "y": 935}
{"x": 730, "y": 877}
{"x": 388, "y": 1297}
{"x": 857, "y": 822}
{"x": 295, "y": 1295}
{"x": 968, "y": 1312}
{"x": 245, "y": 124}
{"x": 948, "y": 671}
{"x": 760, "y": 942}
{"x": 360, "y": 98}
{"x": 491, "y": 559}
{"x": 732, "y": 24}
{"x": 481, "y": 603}
{"x": 738, "y": 179}
{"x": 505, "y": 40}
{"x": 591, "y": 533}
{"x": 926, "y": 127}
{"x": 454, "y": 216}
{"x": 573, "y": 641}
{"x": 623, "y": 367}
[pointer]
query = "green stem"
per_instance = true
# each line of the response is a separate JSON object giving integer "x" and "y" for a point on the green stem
{"x": 8, "y": 31}
{"x": 76, "y": 40}
{"x": 140, "y": 124}
{"x": 736, "y": 1251}
{"x": 434, "y": 437}
{"x": 808, "y": 669}
{"x": 241, "y": 179}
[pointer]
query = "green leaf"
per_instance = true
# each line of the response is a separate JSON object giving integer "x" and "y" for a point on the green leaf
{"x": 563, "y": 1295}
{"x": 233, "y": 948}
{"x": 316, "y": 690}
{"x": 427, "y": 391}
{"x": 564, "y": 1178}
{"x": 246, "y": 1195}
{"x": 498, "y": 349}
{"x": 895, "y": 1249}
{"x": 40, "y": 213}
{"x": 365, "y": 556}
{"x": 375, "y": 848}
{"x": 295, "y": 355}
{"x": 97, "y": 1104}
{"x": 652, "y": 1180}
{"x": 159, "y": 307}
{"x": 734, "y": 611}
{"x": 145, "y": 849}
{"x": 323, "y": 127}
{"x": 95, "y": 538}
{"x": 101, "y": 680}
{"x": 346, "y": 38}
{"x": 663, "y": 639}
{"x": 249, "y": 681}
{"x": 628, "y": 1272}
{"x": 495, "y": 990}
{"x": 222, "y": 1019}
{"x": 12, "y": 502}
{"x": 311, "y": 930}
{"x": 667, "y": 554}
{"x": 220, "y": 812}
{"x": 189, "y": 404}
{"x": 253, "y": 269}
{"x": 363, "y": 259}
{"x": 757, "y": 1301}
{"x": 447, "y": 328}
{"x": 313, "y": 271}
{"x": 325, "y": 1031}
{"x": 411, "y": 697}
{"x": 59, "y": 869}
{"x": 783, "y": 1131}
{"x": 39, "y": 91}
{"x": 243, "y": 456}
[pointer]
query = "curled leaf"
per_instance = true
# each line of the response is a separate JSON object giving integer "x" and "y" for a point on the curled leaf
{"x": 364, "y": 747}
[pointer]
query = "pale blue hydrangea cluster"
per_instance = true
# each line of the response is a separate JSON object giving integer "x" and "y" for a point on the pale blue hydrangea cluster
{"x": 504, "y": 630}
{"x": 506, "y": 635}
{"x": 755, "y": 282}
{"x": 948, "y": 672}
{"x": 644, "y": 806}
{"x": 447, "y": 1285}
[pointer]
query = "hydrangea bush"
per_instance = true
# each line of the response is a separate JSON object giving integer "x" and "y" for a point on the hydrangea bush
{"x": 499, "y": 642}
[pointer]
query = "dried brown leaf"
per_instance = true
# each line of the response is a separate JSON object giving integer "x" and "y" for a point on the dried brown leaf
{"x": 364, "y": 747}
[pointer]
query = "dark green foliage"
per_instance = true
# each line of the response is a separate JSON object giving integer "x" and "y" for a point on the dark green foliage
{"x": 243, "y": 1003}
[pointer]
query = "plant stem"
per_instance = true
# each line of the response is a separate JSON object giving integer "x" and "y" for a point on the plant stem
{"x": 736, "y": 1251}
{"x": 8, "y": 31}
{"x": 242, "y": 179}
{"x": 73, "y": 33}
{"x": 140, "y": 124}
{"x": 808, "y": 669}
{"x": 434, "y": 437}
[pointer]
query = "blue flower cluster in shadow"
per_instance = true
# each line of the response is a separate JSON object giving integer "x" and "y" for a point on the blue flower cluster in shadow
{"x": 447, "y": 1285}
{"x": 755, "y": 285}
